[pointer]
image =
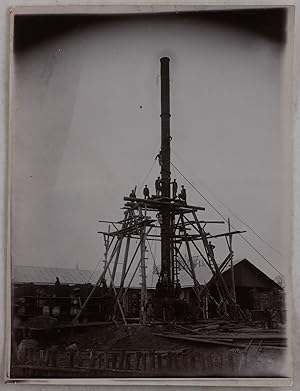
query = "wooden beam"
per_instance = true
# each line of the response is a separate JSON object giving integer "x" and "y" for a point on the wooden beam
{"x": 211, "y": 256}
{"x": 99, "y": 280}
{"x": 152, "y": 202}
{"x": 226, "y": 234}
{"x": 200, "y": 340}
{"x": 143, "y": 274}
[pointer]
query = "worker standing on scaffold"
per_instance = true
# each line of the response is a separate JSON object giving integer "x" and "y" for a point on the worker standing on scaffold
{"x": 132, "y": 194}
{"x": 146, "y": 192}
{"x": 182, "y": 194}
{"x": 174, "y": 189}
{"x": 158, "y": 186}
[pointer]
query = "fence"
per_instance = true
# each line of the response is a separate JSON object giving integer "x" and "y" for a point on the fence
{"x": 126, "y": 363}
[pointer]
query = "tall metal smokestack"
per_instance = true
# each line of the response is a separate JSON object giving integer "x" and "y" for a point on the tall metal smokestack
{"x": 165, "y": 170}
{"x": 165, "y": 126}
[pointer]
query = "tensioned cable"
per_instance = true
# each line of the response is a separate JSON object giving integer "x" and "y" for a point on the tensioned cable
{"x": 238, "y": 218}
{"x": 258, "y": 252}
{"x": 251, "y": 229}
{"x": 94, "y": 270}
{"x": 144, "y": 180}
{"x": 100, "y": 260}
{"x": 153, "y": 262}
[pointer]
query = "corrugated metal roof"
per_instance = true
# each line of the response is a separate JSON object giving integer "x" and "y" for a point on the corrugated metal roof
{"x": 47, "y": 275}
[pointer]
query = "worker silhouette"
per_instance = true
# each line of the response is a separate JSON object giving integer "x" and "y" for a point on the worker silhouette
{"x": 182, "y": 194}
{"x": 57, "y": 287}
{"x": 132, "y": 194}
{"x": 165, "y": 280}
{"x": 158, "y": 186}
{"x": 57, "y": 282}
{"x": 146, "y": 192}
{"x": 159, "y": 157}
{"x": 174, "y": 189}
{"x": 104, "y": 288}
{"x": 211, "y": 247}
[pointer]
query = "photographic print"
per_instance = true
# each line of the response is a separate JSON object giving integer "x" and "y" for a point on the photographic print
{"x": 149, "y": 194}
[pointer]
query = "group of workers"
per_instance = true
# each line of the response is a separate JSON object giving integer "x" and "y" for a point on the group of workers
{"x": 158, "y": 191}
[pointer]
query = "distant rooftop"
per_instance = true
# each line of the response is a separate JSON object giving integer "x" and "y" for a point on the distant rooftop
{"x": 47, "y": 275}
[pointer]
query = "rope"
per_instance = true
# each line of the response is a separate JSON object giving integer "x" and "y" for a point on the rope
{"x": 238, "y": 218}
{"x": 94, "y": 270}
{"x": 224, "y": 218}
{"x": 153, "y": 261}
{"x": 144, "y": 180}
{"x": 251, "y": 229}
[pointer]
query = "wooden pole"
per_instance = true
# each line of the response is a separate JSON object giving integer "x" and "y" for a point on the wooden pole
{"x": 118, "y": 301}
{"x": 124, "y": 265}
{"x": 136, "y": 269}
{"x": 99, "y": 280}
{"x": 185, "y": 266}
{"x": 192, "y": 266}
{"x": 212, "y": 257}
{"x": 124, "y": 225}
{"x": 143, "y": 275}
{"x": 116, "y": 295}
{"x": 232, "y": 269}
{"x": 138, "y": 356}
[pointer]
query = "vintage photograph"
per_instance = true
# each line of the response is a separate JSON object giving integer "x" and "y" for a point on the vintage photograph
{"x": 150, "y": 194}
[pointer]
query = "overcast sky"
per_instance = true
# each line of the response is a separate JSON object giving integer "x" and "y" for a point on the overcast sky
{"x": 87, "y": 130}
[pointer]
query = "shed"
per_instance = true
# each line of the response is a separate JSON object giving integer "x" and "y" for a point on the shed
{"x": 254, "y": 289}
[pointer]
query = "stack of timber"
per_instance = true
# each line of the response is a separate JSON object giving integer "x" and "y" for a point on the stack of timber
{"x": 234, "y": 337}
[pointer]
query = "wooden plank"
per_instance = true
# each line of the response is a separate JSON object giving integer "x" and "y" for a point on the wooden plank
{"x": 71, "y": 356}
{"x": 226, "y": 234}
{"x": 144, "y": 361}
{"x": 76, "y": 370}
{"x": 246, "y": 336}
{"x": 54, "y": 358}
{"x": 193, "y": 361}
{"x": 152, "y": 203}
{"x": 259, "y": 346}
{"x": 92, "y": 358}
{"x": 127, "y": 360}
{"x": 159, "y": 361}
{"x": 176, "y": 361}
{"x": 200, "y": 340}
{"x": 31, "y": 355}
{"x": 69, "y": 325}
{"x": 41, "y": 357}
{"x": 183, "y": 328}
{"x": 235, "y": 336}
{"x": 152, "y": 361}
{"x": 248, "y": 346}
{"x": 138, "y": 356}
{"x": 169, "y": 360}
{"x": 106, "y": 360}
{"x": 121, "y": 359}
{"x": 100, "y": 357}
{"x": 114, "y": 357}
{"x": 184, "y": 361}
